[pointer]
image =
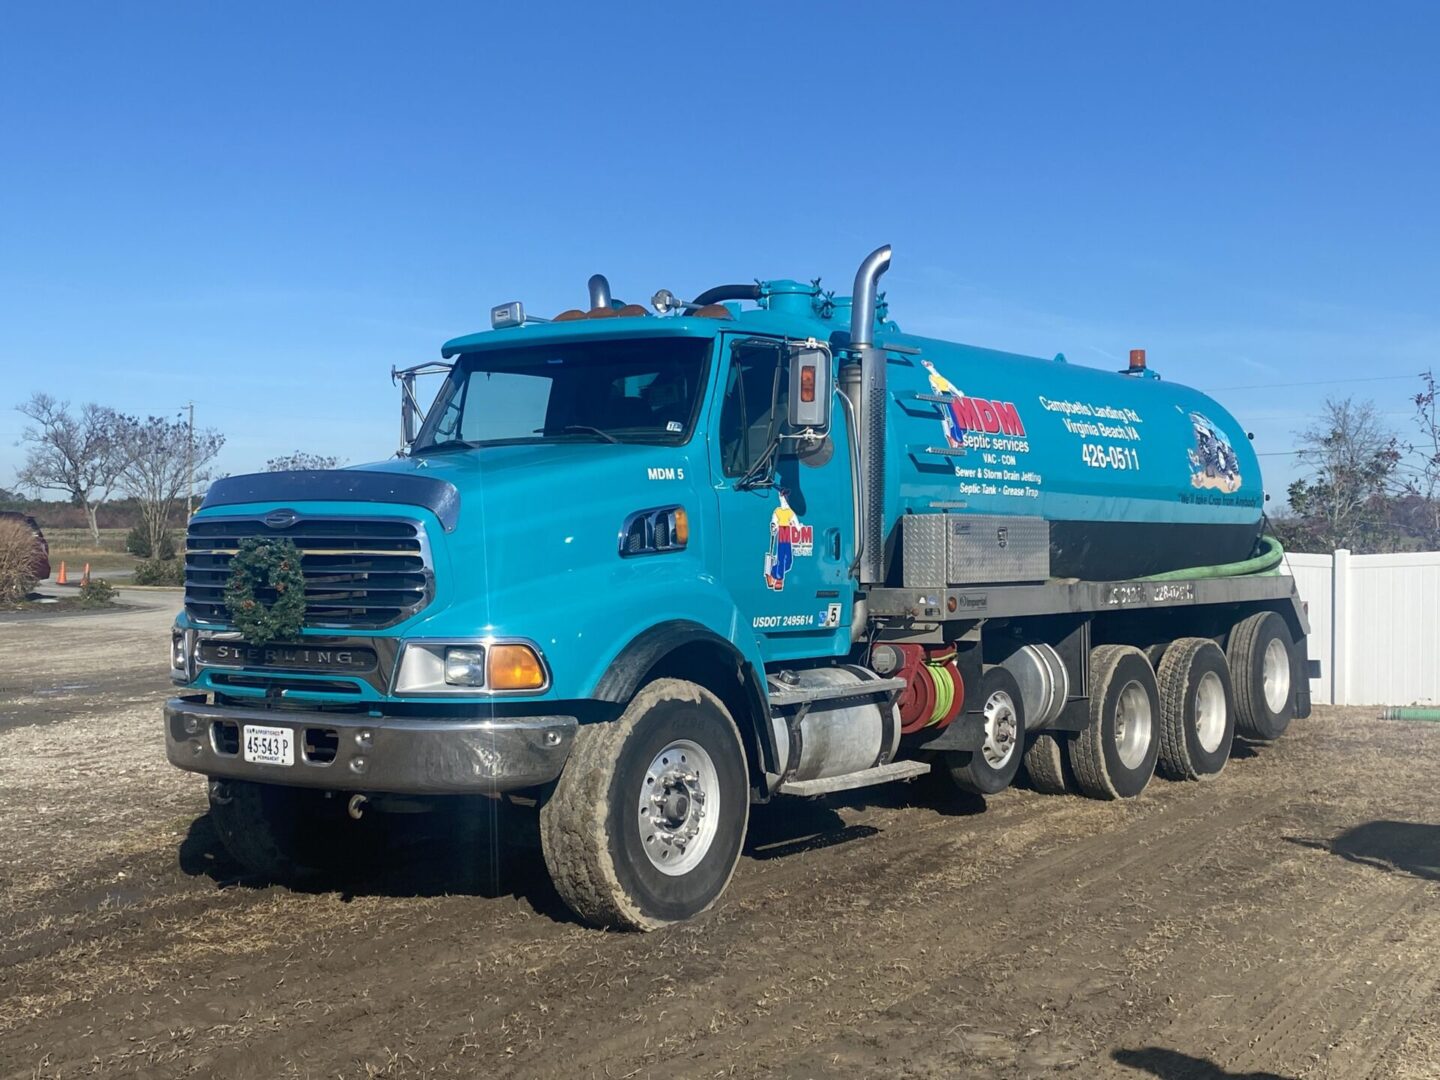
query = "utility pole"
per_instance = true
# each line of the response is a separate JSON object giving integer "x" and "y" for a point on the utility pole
{"x": 190, "y": 468}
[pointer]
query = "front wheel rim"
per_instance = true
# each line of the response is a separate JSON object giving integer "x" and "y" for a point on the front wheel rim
{"x": 1275, "y": 673}
{"x": 1210, "y": 712}
{"x": 1002, "y": 729}
{"x": 679, "y": 808}
{"x": 1133, "y": 723}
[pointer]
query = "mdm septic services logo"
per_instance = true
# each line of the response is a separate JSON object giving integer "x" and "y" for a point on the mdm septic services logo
{"x": 789, "y": 539}
{"x": 964, "y": 414}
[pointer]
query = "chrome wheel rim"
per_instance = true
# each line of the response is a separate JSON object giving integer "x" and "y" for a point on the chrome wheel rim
{"x": 1210, "y": 712}
{"x": 1002, "y": 729}
{"x": 679, "y": 807}
{"x": 1276, "y": 674}
{"x": 1133, "y": 723}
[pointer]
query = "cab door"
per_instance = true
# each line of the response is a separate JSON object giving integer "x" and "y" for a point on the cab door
{"x": 787, "y": 518}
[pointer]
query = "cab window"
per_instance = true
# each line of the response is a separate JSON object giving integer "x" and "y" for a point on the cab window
{"x": 757, "y": 393}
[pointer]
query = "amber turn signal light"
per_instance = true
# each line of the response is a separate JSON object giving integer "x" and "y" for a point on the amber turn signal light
{"x": 680, "y": 526}
{"x": 515, "y": 667}
{"x": 807, "y": 382}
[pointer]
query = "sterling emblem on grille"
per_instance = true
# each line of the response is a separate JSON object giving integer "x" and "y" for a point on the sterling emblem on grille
{"x": 281, "y": 519}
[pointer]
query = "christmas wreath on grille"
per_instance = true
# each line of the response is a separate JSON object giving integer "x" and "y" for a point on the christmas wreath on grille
{"x": 269, "y": 565}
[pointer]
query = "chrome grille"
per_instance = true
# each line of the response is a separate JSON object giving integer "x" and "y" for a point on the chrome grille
{"x": 360, "y": 573}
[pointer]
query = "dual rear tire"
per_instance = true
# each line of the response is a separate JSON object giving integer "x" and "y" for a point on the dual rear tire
{"x": 1266, "y": 673}
{"x": 1196, "y": 708}
{"x": 1115, "y": 756}
{"x": 991, "y": 769}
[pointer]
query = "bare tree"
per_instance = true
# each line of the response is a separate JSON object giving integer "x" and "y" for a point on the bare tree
{"x": 1347, "y": 500}
{"x": 301, "y": 459}
{"x": 1420, "y": 471}
{"x": 158, "y": 469}
{"x": 82, "y": 455}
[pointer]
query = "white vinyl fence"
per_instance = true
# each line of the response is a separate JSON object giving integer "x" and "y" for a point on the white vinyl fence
{"x": 1374, "y": 626}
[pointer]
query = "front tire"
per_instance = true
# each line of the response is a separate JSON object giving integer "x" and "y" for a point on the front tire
{"x": 645, "y": 825}
{"x": 990, "y": 770}
{"x": 1114, "y": 757}
{"x": 1197, "y": 711}
{"x": 1265, "y": 675}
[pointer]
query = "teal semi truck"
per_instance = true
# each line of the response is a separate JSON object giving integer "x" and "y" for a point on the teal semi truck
{"x": 641, "y": 568}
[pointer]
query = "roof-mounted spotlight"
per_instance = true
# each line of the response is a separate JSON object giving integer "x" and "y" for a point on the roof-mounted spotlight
{"x": 503, "y": 316}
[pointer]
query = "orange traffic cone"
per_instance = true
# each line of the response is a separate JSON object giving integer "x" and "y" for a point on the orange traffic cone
{"x": 85, "y": 575}
{"x": 61, "y": 579}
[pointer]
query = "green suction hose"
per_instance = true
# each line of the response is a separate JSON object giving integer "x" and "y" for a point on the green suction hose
{"x": 1392, "y": 712}
{"x": 1267, "y": 562}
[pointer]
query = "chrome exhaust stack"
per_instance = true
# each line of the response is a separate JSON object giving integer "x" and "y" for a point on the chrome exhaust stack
{"x": 599, "y": 291}
{"x": 871, "y": 407}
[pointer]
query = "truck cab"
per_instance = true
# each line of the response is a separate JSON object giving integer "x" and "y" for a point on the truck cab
{"x": 626, "y": 569}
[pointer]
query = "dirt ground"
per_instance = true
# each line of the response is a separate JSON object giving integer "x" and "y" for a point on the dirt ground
{"x": 1282, "y": 920}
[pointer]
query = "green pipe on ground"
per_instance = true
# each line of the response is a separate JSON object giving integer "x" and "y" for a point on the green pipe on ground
{"x": 1267, "y": 562}
{"x": 1402, "y": 712}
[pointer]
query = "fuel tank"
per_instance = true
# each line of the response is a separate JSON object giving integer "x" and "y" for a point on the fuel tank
{"x": 1133, "y": 474}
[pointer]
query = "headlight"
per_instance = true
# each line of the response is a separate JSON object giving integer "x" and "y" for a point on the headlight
{"x": 182, "y": 654}
{"x": 444, "y": 667}
{"x": 465, "y": 666}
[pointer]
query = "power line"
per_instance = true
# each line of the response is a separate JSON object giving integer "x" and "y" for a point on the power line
{"x": 1312, "y": 382}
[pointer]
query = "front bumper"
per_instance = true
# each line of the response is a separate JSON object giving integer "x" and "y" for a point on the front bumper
{"x": 410, "y": 756}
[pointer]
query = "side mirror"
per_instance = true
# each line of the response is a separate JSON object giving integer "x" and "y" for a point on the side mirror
{"x": 811, "y": 386}
{"x": 407, "y": 409}
{"x": 410, "y": 410}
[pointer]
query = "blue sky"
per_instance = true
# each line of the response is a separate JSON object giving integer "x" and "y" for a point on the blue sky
{"x": 261, "y": 207}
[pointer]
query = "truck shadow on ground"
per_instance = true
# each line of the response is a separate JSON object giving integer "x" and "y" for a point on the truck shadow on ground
{"x": 789, "y": 825}
{"x": 1173, "y": 1065}
{"x": 1407, "y": 847}
{"x": 477, "y": 848}
{"x": 453, "y": 851}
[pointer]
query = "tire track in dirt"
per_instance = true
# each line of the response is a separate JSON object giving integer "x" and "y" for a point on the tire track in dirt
{"x": 872, "y": 951}
{"x": 885, "y": 963}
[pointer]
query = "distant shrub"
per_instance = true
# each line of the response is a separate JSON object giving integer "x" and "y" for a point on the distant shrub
{"x": 17, "y": 560}
{"x": 137, "y": 542}
{"x": 160, "y": 572}
{"x": 97, "y": 592}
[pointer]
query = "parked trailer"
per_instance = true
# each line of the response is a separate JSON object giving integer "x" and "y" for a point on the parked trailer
{"x": 644, "y": 570}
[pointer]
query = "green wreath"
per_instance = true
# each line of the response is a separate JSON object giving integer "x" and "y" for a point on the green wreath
{"x": 263, "y": 563}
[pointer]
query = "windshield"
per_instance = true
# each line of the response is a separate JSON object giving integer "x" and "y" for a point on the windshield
{"x": 634, "y": 391}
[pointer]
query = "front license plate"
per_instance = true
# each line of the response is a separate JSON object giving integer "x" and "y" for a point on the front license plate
{"x": 269, "y": 745}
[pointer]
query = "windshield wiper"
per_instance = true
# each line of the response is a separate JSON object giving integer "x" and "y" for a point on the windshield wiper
{"x": 586, "y": 429}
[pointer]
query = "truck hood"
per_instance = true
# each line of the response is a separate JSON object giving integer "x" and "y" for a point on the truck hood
{"x": 538, "y": 528}
{"x": 526, "y": 470}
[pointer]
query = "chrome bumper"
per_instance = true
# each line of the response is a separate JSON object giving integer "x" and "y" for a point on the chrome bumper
{"x": 403, "y": 755}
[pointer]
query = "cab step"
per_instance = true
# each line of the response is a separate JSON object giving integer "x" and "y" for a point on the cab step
{"x": 881, "y": 774}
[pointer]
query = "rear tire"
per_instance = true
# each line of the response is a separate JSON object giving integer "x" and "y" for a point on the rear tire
{"x": 282, "y": 834}
{"x": 992, "y": 768}
{"x": 645, "y": 825}
{"x": 1045, "y": 764}
{"x": 1197, "y": 710}
{"x": 1114, "y": 757}
{"x": 1265, "y": 675}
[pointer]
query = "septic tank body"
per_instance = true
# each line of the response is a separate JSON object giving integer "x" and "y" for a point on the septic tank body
{"x": 1136, "y": 475}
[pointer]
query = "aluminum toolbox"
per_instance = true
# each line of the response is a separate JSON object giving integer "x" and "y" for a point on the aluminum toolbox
{"x": 964, "y": 549}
